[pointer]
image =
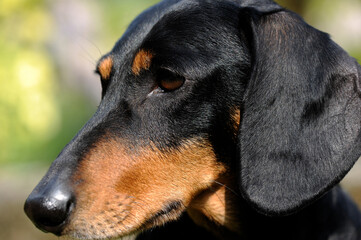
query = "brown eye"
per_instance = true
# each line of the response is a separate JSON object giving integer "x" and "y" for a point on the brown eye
{"x": 169, "y": 81}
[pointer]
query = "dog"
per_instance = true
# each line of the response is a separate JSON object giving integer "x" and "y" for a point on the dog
{"x": 227, "y": 119}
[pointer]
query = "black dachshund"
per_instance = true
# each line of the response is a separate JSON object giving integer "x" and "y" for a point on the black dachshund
{"x": 233, "y": 119}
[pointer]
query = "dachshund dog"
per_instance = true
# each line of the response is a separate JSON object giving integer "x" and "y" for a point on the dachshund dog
{"x": 219, "y": 119}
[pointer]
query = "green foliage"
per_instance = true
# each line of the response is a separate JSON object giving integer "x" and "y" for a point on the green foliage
{"x": 38, "y": 113}
{"x": 118, "y": 14}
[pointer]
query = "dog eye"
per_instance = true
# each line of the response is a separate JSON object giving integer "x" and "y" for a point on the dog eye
{"x": 169, "y": 81}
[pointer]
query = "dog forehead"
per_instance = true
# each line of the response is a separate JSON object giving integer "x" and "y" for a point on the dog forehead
{"x": 141, "y": 25}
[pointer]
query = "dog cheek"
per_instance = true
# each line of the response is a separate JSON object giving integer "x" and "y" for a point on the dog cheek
{"x": 175, "y": 174}
{"x": 100, "y": 210}
{"x": 123, "y": 189}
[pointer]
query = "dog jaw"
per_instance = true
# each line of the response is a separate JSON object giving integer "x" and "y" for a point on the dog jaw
{"x": 217, "y": 208}
{"x": 120, "y": 192}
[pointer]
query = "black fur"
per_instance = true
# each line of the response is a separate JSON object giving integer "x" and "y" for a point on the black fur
{"x": 298, "y": 93}
{"x": 334, "y": 216}
{"x": 301, "y": 96}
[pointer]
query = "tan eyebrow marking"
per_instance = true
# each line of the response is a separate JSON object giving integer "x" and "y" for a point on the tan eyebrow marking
{"x": 105, "y": 68}
{"x": 142, "y": 61}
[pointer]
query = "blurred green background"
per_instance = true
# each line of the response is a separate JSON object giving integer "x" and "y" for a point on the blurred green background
{"x": 48, "y": 89}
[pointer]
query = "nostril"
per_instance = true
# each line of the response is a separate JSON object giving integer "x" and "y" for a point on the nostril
{"x": 49, "y": 212}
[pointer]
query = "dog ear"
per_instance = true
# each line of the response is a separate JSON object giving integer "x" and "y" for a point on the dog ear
{"x": 260, "y": 6}
{"x": 300, "y": 130}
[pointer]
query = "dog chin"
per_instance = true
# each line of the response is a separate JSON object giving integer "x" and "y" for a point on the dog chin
{"x": 75, "y": 236}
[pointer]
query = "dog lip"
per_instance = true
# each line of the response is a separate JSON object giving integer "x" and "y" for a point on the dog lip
{"x": 167, "y": 210}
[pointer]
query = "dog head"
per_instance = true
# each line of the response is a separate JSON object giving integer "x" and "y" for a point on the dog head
{"x": 198, "y": 93}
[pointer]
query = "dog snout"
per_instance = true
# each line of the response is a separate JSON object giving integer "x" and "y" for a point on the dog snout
{"x": 50, "y": 210}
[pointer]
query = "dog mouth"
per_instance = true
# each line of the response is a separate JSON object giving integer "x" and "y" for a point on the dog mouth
{"x": 170, "y": 211}
{"x": 104, "y": 228}
{"x": 119, "y": 193}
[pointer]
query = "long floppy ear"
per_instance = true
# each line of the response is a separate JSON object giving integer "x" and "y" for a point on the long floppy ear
{"x": 300, "y": 130}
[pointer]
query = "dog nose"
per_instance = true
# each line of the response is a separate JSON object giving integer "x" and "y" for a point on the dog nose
{"x": 50, "y": 211}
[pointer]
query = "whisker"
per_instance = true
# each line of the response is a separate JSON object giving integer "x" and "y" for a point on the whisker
{"x": 228, "y": 188}
{"x": 87, "y": 55}
{"x": 92, "y": 43}
{"x": 220, "y": 199}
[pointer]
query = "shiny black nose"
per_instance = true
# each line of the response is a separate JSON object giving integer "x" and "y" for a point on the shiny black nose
{"x": 49, "y": 210}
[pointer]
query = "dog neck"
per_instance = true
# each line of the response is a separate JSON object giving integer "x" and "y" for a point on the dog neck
{"x": 217, "y": 210}
{"x": 227, "y": 216}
